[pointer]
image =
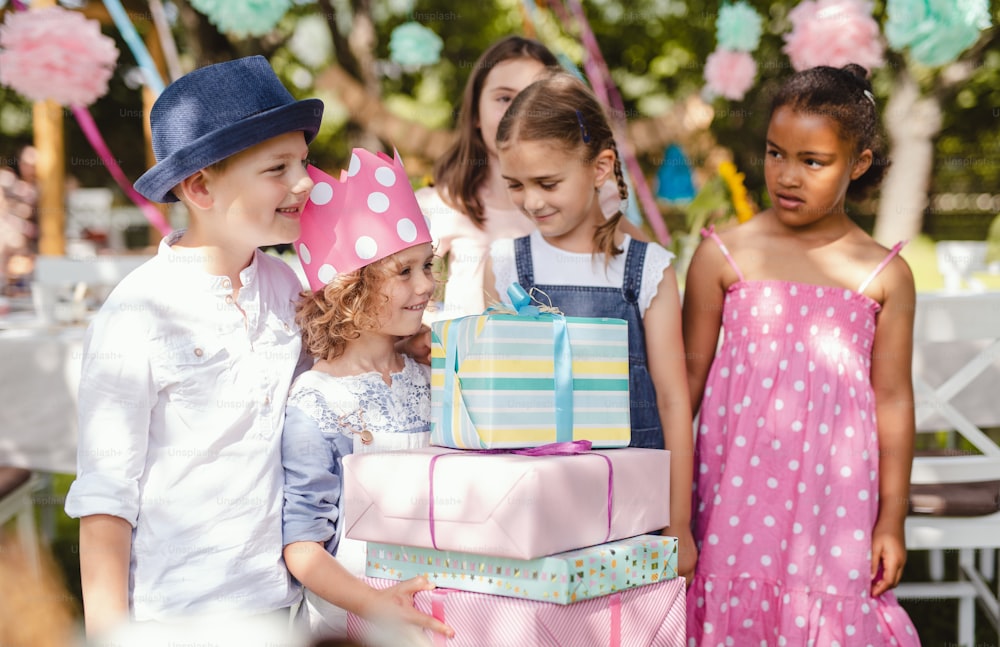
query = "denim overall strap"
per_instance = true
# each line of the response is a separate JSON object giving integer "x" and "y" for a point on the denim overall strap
{"x": 522, "y": 258}
{"x": 619, "y": 303}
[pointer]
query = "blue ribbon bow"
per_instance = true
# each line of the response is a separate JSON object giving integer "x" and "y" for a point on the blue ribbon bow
{"x": 562, "y": 361}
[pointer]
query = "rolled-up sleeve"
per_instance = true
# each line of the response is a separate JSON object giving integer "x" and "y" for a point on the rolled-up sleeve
{"x": 313, "y": 468}
{"x": 116, "y": 395}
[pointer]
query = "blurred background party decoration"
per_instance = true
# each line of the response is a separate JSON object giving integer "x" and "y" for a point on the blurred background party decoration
{"x": 673, "y": 179}
{"x": 730, "y": 69}
{"x": 413, "y": 45}
{"x": 936, "y": 31}
{"x": 243, "y": 17}
{"x": 57, "y": 54}
{"x": 834, "y": 33}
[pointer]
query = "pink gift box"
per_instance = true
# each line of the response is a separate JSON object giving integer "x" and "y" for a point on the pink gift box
{"x": 505, "y": 505}
{"x": 648, "y": 616}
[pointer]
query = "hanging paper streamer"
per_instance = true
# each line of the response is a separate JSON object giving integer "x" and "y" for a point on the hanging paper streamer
{"x": 135, "y": 45}
{"x": 936, "y": 32}
{"x": 673, "y": 179}
{"x": 166, "y": 39}
{"x": 834, "y": 33}
{"x": 93, "y": 135}
{"x": 243, "y": 17}
{"x": 604, "y": 87}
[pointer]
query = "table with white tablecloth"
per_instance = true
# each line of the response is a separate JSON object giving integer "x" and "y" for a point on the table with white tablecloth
{"x": 38, "y": 391}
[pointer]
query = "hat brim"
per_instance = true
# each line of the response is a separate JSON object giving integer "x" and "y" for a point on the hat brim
{"x": 157, "y": 183}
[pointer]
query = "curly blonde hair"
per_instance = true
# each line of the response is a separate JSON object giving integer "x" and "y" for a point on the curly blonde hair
{"x": 349, "y": 304}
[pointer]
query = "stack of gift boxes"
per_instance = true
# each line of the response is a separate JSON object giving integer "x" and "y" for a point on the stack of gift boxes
{"x": 539, "y": 539}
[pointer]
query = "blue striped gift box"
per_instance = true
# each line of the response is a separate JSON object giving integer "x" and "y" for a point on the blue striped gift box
{"x": 503, "y": 391}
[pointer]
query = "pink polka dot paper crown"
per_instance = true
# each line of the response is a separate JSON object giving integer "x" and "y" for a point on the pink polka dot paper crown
{"x": 367, "y": 215}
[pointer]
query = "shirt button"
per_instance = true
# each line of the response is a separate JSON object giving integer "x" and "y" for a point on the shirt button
{"x": 229, "y": 298}
{"x": 267, "y": 400}
{"x": 226, "y": 283}
{"x": 198, "y": 352}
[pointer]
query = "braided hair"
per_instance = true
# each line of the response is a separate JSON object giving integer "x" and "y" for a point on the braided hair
{"x": 561, "y": 108}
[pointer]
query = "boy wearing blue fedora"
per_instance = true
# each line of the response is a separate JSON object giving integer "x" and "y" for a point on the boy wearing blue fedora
{"x": 187, "y": 365}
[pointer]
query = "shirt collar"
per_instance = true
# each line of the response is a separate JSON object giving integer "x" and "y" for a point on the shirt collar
{"x": 191, "y": 262}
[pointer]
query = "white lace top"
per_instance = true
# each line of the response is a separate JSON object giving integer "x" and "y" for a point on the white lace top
{"x": 398, "y": 415}
{"x": 324, "y": 418}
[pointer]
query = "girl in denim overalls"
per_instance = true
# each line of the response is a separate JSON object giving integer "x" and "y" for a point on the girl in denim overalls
{"x": 556, "y": 150}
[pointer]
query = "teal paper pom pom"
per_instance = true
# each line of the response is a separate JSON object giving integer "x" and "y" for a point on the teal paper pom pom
{"x": 936, "y": 31}
{"x": 243, "y": 17}
{"x": 738, "y": 27}
{"x": 412, "y": 44}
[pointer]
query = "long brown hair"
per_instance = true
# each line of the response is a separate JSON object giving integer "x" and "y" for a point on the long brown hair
{"x": 561, "y": 108}
{"x": 461, "y": 171}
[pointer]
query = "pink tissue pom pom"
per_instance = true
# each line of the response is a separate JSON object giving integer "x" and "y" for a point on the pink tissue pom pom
{"x": 834, "y": 33}
{"x": 729, "y": 74}
{"x": 57, "y": 54}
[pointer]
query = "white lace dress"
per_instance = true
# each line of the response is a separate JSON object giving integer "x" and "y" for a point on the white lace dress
{"x": 327, "y": 418}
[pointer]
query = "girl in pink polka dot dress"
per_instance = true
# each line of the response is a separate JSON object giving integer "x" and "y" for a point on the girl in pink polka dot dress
{"x": 805, "y": 432}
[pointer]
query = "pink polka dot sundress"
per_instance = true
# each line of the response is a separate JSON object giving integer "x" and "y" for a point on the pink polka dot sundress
{"x": 786, "y": 474}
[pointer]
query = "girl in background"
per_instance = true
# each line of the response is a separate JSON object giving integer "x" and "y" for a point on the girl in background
{"x": 468, "y": 206}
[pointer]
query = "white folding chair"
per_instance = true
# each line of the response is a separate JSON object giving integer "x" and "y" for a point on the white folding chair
{"x": 972, "y": 321}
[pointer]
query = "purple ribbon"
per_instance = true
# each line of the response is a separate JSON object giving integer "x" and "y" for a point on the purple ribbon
{"x": 572, "y": 448}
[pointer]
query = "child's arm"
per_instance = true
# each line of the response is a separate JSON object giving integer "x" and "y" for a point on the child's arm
{"x": 105, "y": 552}
{"x": 665, "y": 358}
{"x": 116, "y": 397}
{"x": 702, "y": 316}
{"x": 312, "y": 510}
{"x": 321, "y": 573}
{"x": 892, "y": 381}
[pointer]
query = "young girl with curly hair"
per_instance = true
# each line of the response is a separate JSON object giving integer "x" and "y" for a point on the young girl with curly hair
{"x": 366, "y": 251}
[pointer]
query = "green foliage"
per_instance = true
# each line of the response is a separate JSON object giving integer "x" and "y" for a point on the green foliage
{"x": 655, "y": 49}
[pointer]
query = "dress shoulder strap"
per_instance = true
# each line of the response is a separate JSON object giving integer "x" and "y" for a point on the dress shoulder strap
{"x": 881, "y": 266}
{"x": 710, "y": 233}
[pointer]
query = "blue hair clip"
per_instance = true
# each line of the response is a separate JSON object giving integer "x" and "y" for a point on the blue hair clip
{"x": 583, "y": 127}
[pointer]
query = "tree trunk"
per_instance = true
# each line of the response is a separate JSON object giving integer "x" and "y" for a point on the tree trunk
{"x": 913, "y": 121}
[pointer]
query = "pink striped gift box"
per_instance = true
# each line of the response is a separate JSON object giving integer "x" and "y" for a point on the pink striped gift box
{"x": 648, "y": 616}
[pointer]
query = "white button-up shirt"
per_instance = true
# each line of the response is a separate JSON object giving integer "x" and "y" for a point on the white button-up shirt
{"x": 181, "y": 408}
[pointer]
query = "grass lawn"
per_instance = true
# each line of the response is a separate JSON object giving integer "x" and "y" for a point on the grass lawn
{"x": 935, "y": 619}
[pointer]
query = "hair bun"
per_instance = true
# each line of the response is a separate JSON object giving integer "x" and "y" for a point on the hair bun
{"x": 857, "y": 71}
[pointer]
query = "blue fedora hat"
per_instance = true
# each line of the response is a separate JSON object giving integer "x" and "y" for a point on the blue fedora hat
{"x": 217, "y": 111}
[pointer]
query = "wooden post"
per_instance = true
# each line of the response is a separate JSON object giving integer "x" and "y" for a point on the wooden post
{"x": 49, "y": 140}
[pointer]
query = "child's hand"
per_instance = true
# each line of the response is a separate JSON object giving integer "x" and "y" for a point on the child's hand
{"x": 687, "y": 551}
{"x": 396, "y": 603}
{"x": 888, "y": 557}
{"x": 417, "y": 346}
